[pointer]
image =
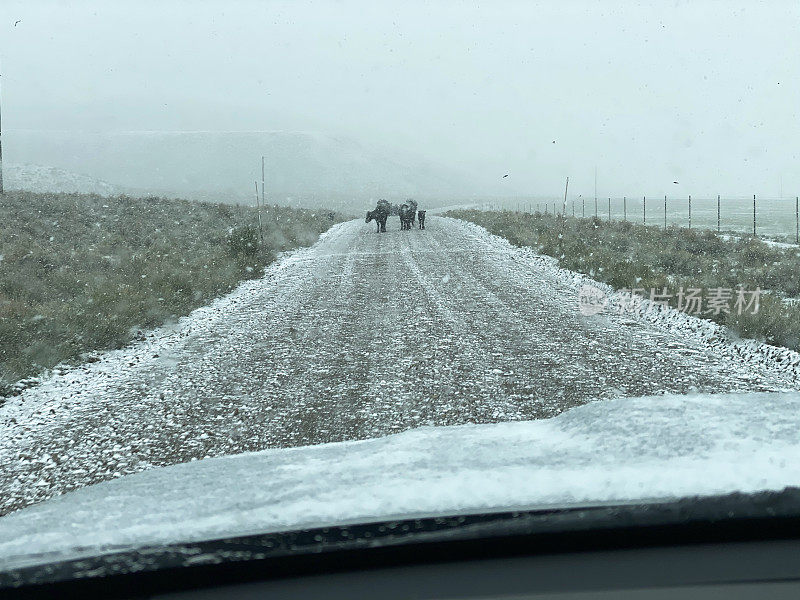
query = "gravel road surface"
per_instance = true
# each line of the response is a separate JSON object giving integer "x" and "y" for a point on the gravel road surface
{"x": 360, "y": 336}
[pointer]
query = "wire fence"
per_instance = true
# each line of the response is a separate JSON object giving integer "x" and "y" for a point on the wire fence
{"x": 767, "y": 217}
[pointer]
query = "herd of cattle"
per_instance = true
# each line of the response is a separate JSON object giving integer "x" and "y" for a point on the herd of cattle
{"x": 407, "y": 212}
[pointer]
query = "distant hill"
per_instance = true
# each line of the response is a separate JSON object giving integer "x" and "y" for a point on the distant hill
{"x": 300, "y": 165}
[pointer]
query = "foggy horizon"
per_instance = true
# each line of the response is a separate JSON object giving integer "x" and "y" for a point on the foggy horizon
{"x": 704, "y": 94}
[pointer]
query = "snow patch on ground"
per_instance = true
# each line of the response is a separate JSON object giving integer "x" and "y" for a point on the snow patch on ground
{"x": 618, "y": 450}
{"x": 767, "y": 241}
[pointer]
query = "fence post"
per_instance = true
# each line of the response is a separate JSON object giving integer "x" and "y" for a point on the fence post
{"x": 690, "y": 211}
{"x": 717, "y": 213}
{"x": 644, "y": 210}
{"x": 754, "y": 215}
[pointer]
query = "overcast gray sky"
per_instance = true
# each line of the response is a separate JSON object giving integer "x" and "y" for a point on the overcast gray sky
{"x": 702, "y": 93}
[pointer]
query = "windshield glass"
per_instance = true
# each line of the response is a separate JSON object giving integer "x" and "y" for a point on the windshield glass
{"x": 273, "y": 265}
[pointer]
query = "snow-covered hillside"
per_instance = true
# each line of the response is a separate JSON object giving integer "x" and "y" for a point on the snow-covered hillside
{"x": 38, "y": 178}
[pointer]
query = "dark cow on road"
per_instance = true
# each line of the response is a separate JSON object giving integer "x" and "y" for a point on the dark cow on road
{"x": 412, "y": 204}
{"x": 379, "y": 215}
{"x": 406, "y": 217}
{"x": 421, "y": 217}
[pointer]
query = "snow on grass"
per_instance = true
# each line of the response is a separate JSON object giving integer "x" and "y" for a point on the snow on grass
{"x": 713, "y": 335}
{"x": 80, "y": 272}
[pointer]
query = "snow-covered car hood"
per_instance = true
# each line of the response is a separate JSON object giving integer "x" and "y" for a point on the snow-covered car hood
{"x": 619, "y": 450}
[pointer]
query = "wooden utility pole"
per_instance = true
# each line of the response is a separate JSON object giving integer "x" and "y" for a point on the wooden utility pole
{"x": 258, "y": 210}
{"x": 564, "y": 210}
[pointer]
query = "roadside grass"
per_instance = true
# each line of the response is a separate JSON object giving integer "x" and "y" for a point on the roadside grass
{"x": 628, "y": 256}
{"x": 80, "y": 273}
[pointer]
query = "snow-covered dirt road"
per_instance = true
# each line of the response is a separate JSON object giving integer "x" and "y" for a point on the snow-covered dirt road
{"x": 360, "y": 336}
